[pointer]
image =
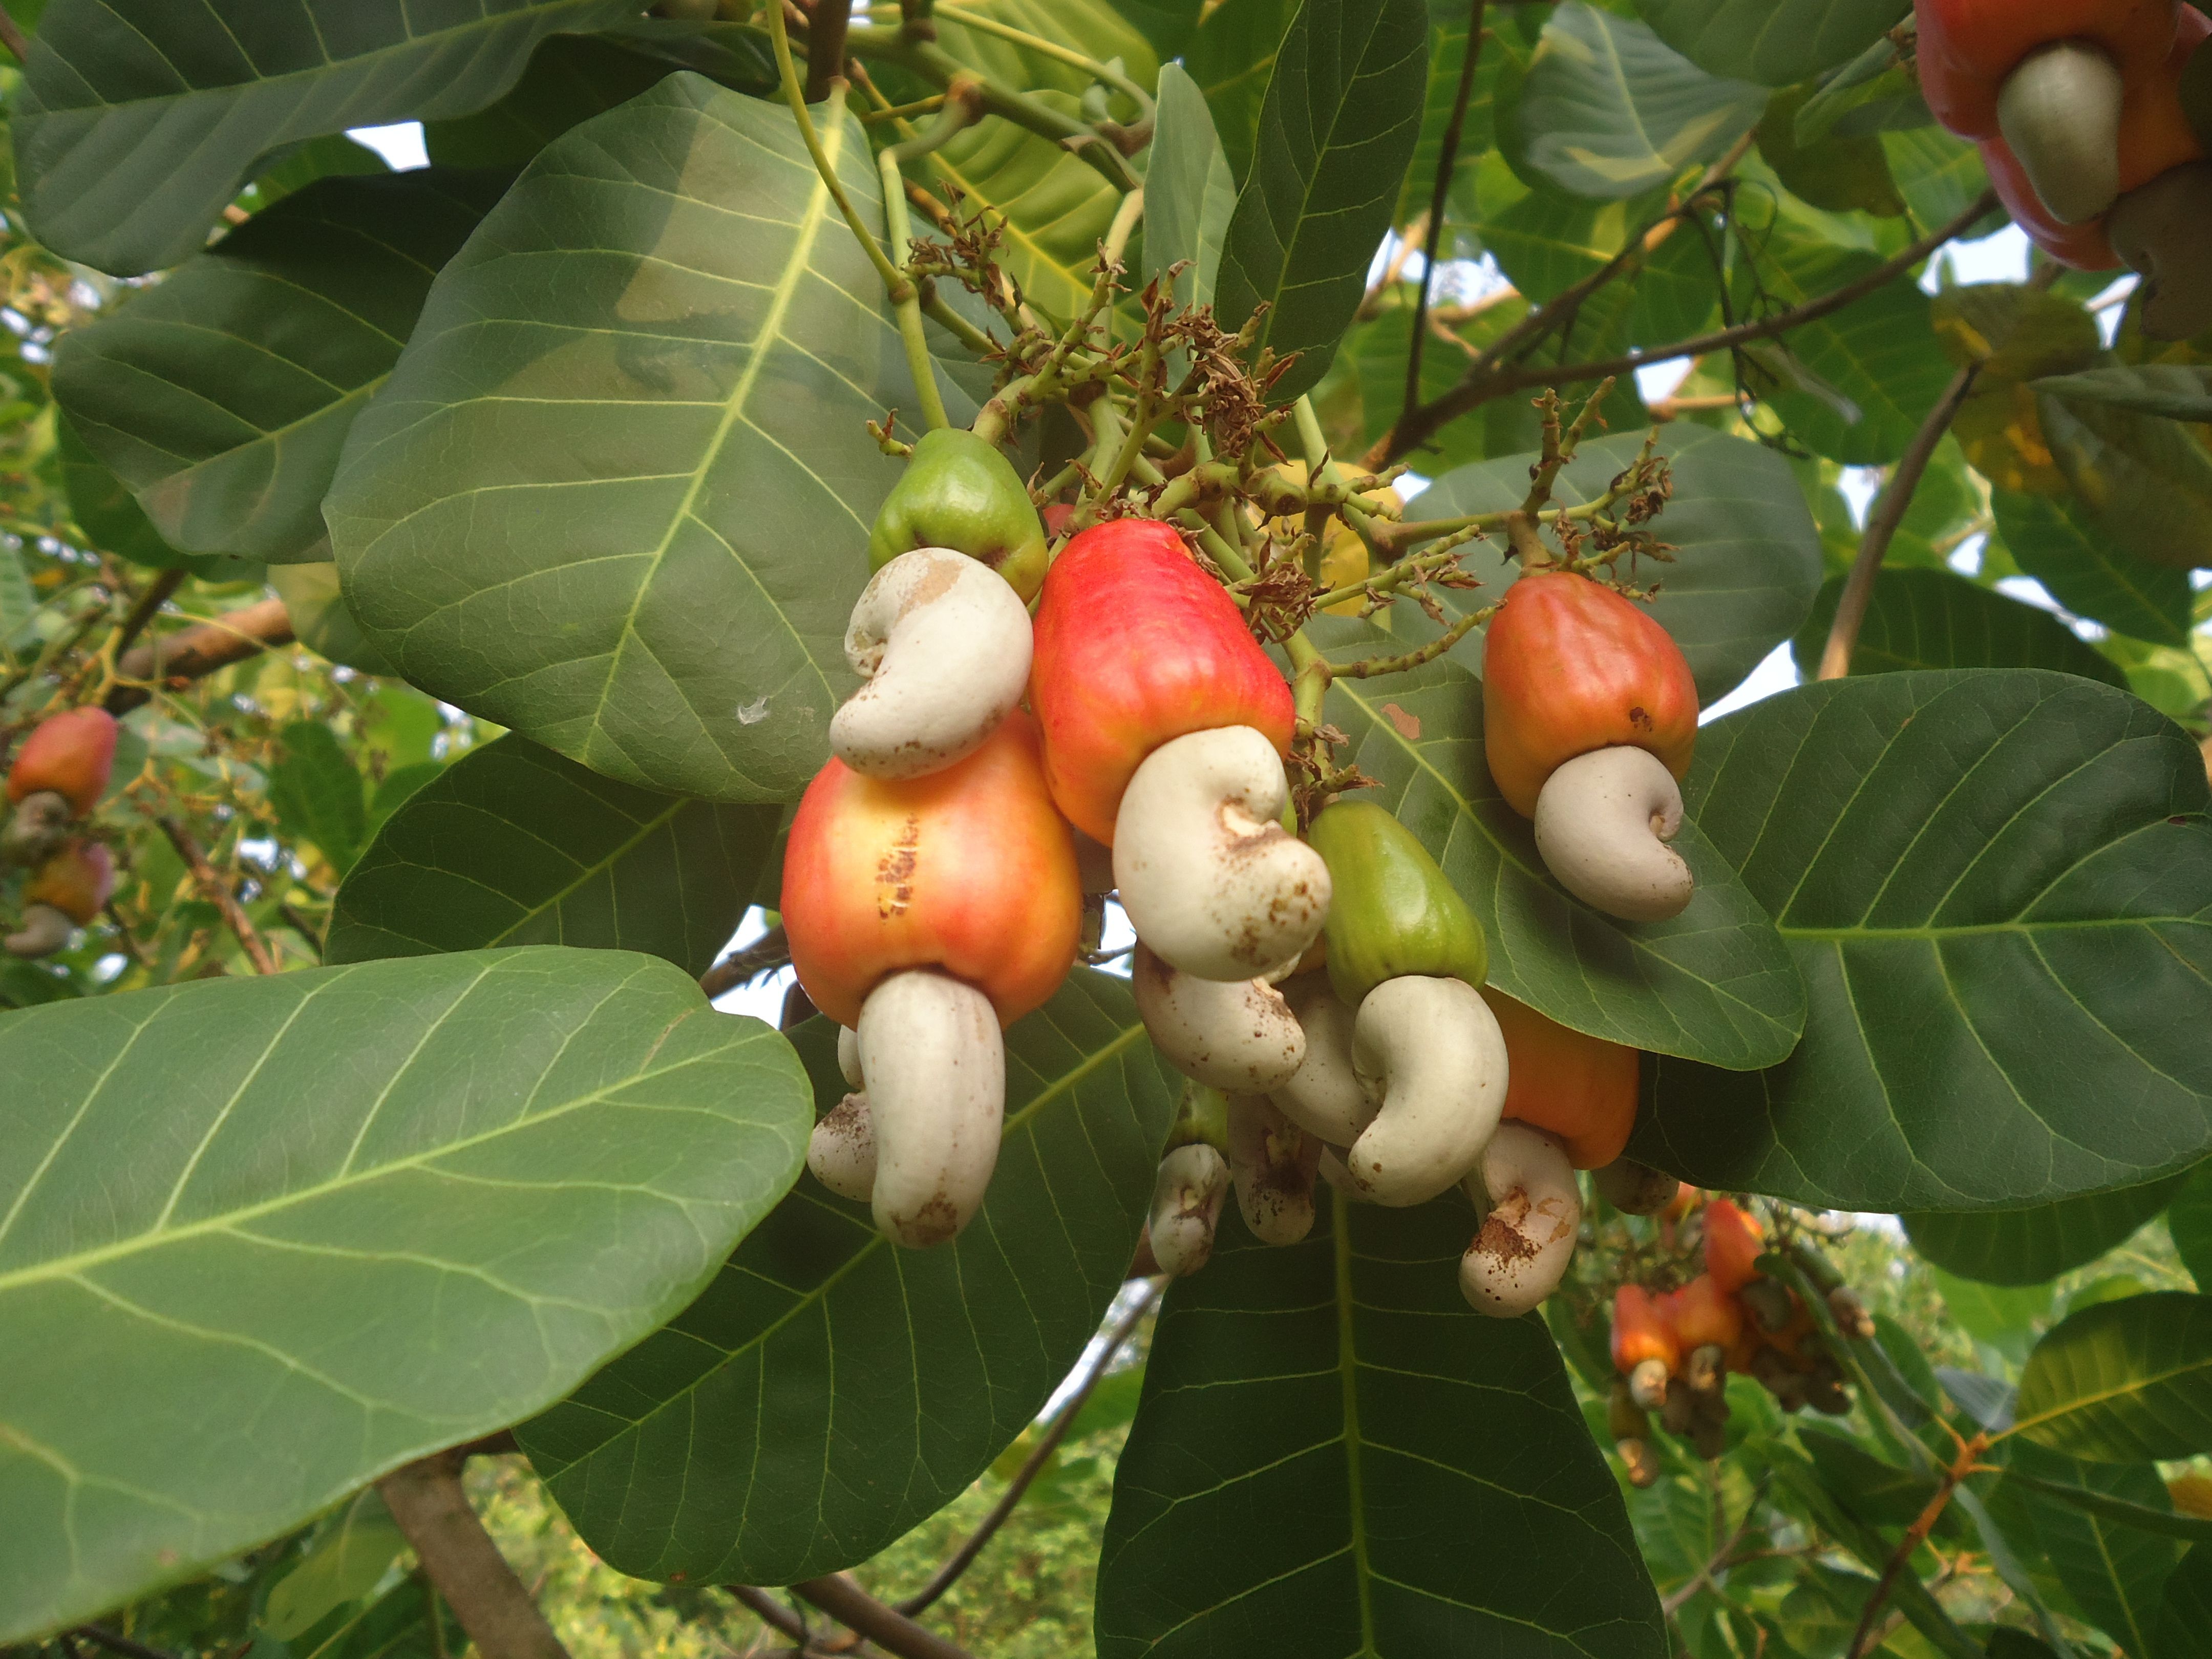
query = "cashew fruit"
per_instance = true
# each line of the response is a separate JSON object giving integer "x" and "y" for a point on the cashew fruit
{"x": 1135, "y": 646}
{"x": 1643, "y": 1347}
{"x": 1580, "y": 1088}
{"x": 936, "y": 1067}
{"x": 1238, "y": 1035}
{"x": 70, "y": 754}
{"x": 1324, "y": 1096}
{"x": 1273, "y": 1163}
{"x": 1732, "y": 1243}
{"x": 76, "y": 881}
{"x": 1187, "y": 1198}
{"x": 1431, "y": 1057}
{"x": 1391, "y": 911}
{"x": 960, "y": 491}
{"x": 1524, "y": 1189}
{"x": 1967, "y": 50}
{"x": 1603, "y": 820}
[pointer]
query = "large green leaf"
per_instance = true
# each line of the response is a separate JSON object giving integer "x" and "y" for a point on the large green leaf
{"x": 513, "y": 845}
{"x": 290, "y": 1233}
{"x": 2116, "y": 1573}
{"x": 140, "y": 119}
{"x": 2146, "y": 479}
{"x": 1998, "y": 887}
{"x": 1776, "y": 43}
{"x": 830, "y": 1391}
{"x": 104, "y": 508}
{"x": 2180, "y": 392}
{"x": 626, "y": 513}
{"x": 1095, "y": 27}
{"x": 2189, "y": 1220}
{"x": 1716, "y": 982}
{"x": 571, "y": 78}
{"x": 1609, "y": 110}
{"x": 1335, "y": 1457}
{"x": 1857, "y": 384}
{"x": 2126, "y": 1381}
{"x": 1189, "y": 190}
{"x": 1231, "y": 58}
{"x": 2056, "y": 541}
{"x": 318, "y": 796}
{"x": 1447, "y": 26}
{"x": 221, "y": 396}
{"x": 1342, "y": 113}
{"x": 1934, "y": 619}
{"x": 1748, "y": 555}
{"x": 2033, "y": 1247}
{"x": 2186, "y": 1611}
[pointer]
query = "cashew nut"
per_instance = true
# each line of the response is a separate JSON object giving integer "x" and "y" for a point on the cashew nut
{"x": 1274, "y": 1162}
{"x": 1635, "y": 1188}
{"x": 842, "y": 1151}
{"x": 848, "y": 1057}
{"x": 937, "y": 1092}
{"x": 1431, "y": 1050}
{"x": 1211, "y": 881}
{"x": 1603, "y": 820}
{"x": 1323, "y": 1096}
{"x": 1186, "y": 1205}
{"x": 1225, "y": 1034}
{"x": 944, "y": 644}
{"x": 1535, "y": 1210}
{"x": 36, "y": 827}
{"x": 2164, "y": 231}
{"x": 2060, "y": 113}
{"x": 44, "y": 931}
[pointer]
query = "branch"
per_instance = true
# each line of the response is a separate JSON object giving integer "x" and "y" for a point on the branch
{"x": 150, "y": 602}
{"x": 771, "y": 1612}
{"x": 770, "y": 952}
{"x": 462, "y": 1563}
{"x": 196, "y": 651}
{"x": 1446, "y": 160}
{"x": 851, "y": 1605}
{"x": 1915, "y": 1535}
{"x": 100, "y": 1636}
{"x": 219, "y": 895}
{"x": 11, "y": 36}
{"x": 1117, "y": 1338}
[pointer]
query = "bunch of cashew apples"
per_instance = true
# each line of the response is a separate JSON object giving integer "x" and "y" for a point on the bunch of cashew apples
{"x": 58, "y": 778}
{"x": 2077, "y": 105}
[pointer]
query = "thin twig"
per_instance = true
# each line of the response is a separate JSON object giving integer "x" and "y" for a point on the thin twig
{"x": 196, "y": 651}
{"x": 770, "y": 1612}
{"x": 1915, "y": 1535}
{"x": 458, "y": 1556}
{"x": 1446, "y": 160}
{"x": 1117, "y": 1338}
{"x": 155, "y": 596}
{"x": 853, "y": 1606}
{"x": 11, "y": 36}
{"x": 765, "y": 955}
{"x": 100, "y": 1636}
{"x": 219, "y": 894}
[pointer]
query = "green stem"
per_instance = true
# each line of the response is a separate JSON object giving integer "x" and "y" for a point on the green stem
{"x": 1105, "y": 73}
{"x": 908, "y": 306}
{"x": 894, "y": 280}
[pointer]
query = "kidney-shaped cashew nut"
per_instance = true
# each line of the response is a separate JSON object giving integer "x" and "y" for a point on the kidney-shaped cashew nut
{"x": 842, "y": 1151}
{"x": 1634, "y": 1188}
{"x": 1324, "y": 1096}
{"x": 1430, "y": 1049}
{"x": 936, "y": 1067}
{"x": 1535, "y": 1210}
{"x": 1186, "y": 1205}
{"x": 848, "y": 1057}
{"x": 1603, "y": 820}
{"x": 2163, "y": 229}
{"x": 1274, "y": 1162}
{"x": 1226, "y": 1034}
{"x": 944, "y": 644}
{"x": 39, "y": 825}
{"x": 2059, "y": 110}
{"x": 1211, "y": 881}
{"x": 43, "y": 931}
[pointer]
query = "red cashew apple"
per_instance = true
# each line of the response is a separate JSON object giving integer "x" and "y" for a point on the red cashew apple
{"x": 1644, "y": 1350}
{"x": 1732, "y": 1243}
{"x": 70, "y": 754}
{"x": 1581, "y": 1088}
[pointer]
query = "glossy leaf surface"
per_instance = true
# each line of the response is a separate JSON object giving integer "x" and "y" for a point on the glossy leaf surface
{"x": 1934, "y": 619}
{"x": 2031, "y": 1247}
{"x": 2124, "y": 1382}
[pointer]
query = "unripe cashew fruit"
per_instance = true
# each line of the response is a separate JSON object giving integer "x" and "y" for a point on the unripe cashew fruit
{"x": 1431, "y": 1052}
{"x": 1569, "y": 665}
{"x": 1136, "y": 645}
{"x": 1186, "y": 1205}
{"x": 1580, "y": 1088}
{"x": 2164, "y": 231}
{"x": 76, "y": 881}
{"x": 1274, "y": 1162}
{"x": 1391, "y": 912}
{"x": 937, "y": 1091}
{"x": 1732, "y": 1243}
{"x": 842, "y": 1151}
{"x": 1631, "y": 1188}
{"x": 1235, "y": 1034}
{"x": 1603, "y": 820}
{"x": 944, "y": 647}
{"x": 960, "y": 491}
{"x": 1643, "y": 1347}
{"x": 1527, "y": 1238}
{"x": 71, "y": 754}
{"x": 1211, "y": 881}
{"x": 970, "y": 870}
{"x": 1324, "y": 1096}
{"x": 2059, "y": 110}
{"x": 848, "y": 1057}
{"x": 37, "y": 825}
{"x": 43, "y": 931}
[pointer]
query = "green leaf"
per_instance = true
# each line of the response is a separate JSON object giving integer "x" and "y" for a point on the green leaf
{"x": 1189, "y": 190}
{"x": 1609, "y": 110}
{"x": 1997, "y": 886}
{"x": 1747, "y": 559}
{"x": 1715, "y": 982}
{"x": 322, "y": 620}
{"x": 2124, "y": 1382}
{"x": 18, "y": 604}
{"x": 1342, "y": 114}
{"x": 343, "y": 1565}
{"x": 2185, "y": 1613}
{"x": 1096, "y": 28}
{"x": 627, "y": 514}
{"x": 1838, "y": 174}
{"x": 2004, "y": 1317}
{"x": 2147, "y": 480}
{"x": 2056, "y": 541}
{"x": 1233, "y": 58}
{"x": 2188, "y": 1218}
{"x": 2033, "y": 1247}
{"x": 1872, "y": 357}
{"x": 2115, "y": 1573}
{"x": 1935, "y": 619}
{"x": 104, "y": 508}
{"x": 2179, "y": 392}
{"x": 1334, "y": 1456}
{"x": 829, "y": 1390}
{"x": 317, "y": 794}
{"x": 2162, "y": 1519}
{"x": 291, "y": 1232}
{"x": 1773, "y": 42}
{"x": 139, "y": 119}
{"x": 1938, "y": 173}
{"x": 1166, "y": 25}
{"x": 513, "y": 845}
{"x": 1448, "y": 23}
{"x": 570, "y": 79}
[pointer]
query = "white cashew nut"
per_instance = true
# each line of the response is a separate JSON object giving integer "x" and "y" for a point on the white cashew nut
{"x": 936, "y": 1067}
{"x": 1635, "y": 1188}
{"x": 848, "y": 1057}
{"x": 1225, "y": 1034}
{"x": 1603, "y": 820}
{"x": 1430, "y": 1050}
{"x": 36, "y": 828}
{"x": 842, "y": 1151}
{"x": 944, "y": 644}
{"x": 1274, "y": 1162}
{"x": 2163, "y": 230}
{"x": 1186, "y": 1205}
{"x": 2060, "y": 113}
{"x": 1526, "y": 1185}
{"x": 1211, "y": 881}
{"x": 44, "y": 931}
{"x": 1324, "y": 1096}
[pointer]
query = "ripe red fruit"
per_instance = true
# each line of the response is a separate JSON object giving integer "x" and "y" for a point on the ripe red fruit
{"x": 1641, "y": 1331}
{"x": 1704, "y": 1315}
{"x": 71, "y": 755}
{"x": 1732, "y": 1243}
